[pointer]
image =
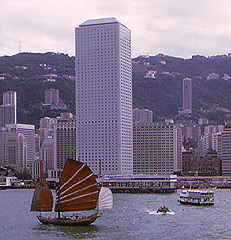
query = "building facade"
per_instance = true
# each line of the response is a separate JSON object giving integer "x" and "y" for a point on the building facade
{"x": 157, "y": 148}
{"x": 28, "y": 131}
{"x": 187, "y": 97}
{"x": 8, "y": 111}
{"x": 226, "y": 151}
{"x": 51, "y": 96}
{"x": 104, "y": 96}
{"x": 65, "y": 139}
{"x": 187, "y": 94}
{"x": 142, "y": 115}
{"x": 15, "y": 151}
{"x": 57, "y": 141}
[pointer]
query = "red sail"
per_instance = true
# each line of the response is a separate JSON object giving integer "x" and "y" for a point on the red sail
{"x": 42, "y": 200}
{"x": 78, "y": 190}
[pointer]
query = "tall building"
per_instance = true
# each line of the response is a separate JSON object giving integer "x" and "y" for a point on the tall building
{"x": 53, "y": 100}
{"x": 51, "y": 96}
{"x": 28, "y": 131}
{"x": 187, "y": 94}
{"x": 187, "y": 97}
{"x": 104, "y": 96}
{"x": 142, "y": 115}
{"x": 15, "y": 151}
{"x": 57, "y": 141}
{"x": 10, "y": 98}
{"x": 8, "y": 111}
{"x": 226, "y": 151}
{"x": 65, "y": 139}
{"x": 157, "y": 148}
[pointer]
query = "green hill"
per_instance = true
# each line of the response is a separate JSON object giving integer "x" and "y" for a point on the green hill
{"x": 31, "y": 73}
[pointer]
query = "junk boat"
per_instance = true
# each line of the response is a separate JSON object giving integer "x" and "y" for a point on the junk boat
{"x": 196, "y": 197}
{"x": 76, "y": 191}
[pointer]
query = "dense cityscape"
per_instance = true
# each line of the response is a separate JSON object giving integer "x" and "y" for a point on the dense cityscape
{"x": 116, "y": 141}
{"x": 103, "y": 145}
{"x": 115, "y": 120}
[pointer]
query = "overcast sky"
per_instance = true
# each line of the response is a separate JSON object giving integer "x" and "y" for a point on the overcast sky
{"x": 174, "y": 27}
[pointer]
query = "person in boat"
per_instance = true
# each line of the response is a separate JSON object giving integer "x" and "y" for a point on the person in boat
{"x": 163, "y": 209}
{"x": 74, "y": 217}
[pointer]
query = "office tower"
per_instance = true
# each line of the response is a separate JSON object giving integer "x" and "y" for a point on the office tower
{"x": 46, "y": 154}
{"x": 104, "y": 96}
{"x": 15, "y": 151}
{"x": 51, "y": 96}
{"x": 53, "y": 100}
{"x": 142, "y": 115}
{"x": 46, "y": 129}
{"x": 58, "y": 141}
{"x": 157, "y": 148}
{"x": 226, "y": 151}
{"x": 187, "y": 95}
{"x": 10, "y": 98}
{"x": 2, "y": 132}
{"x": 8, "y": 111}
{"x": 65, "y": 139}
{"x": 28, "y": 131}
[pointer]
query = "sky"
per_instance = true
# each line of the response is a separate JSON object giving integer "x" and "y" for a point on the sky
{"x": 179, "y": 28}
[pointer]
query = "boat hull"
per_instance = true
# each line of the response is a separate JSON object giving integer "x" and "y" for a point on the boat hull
{"x": 196, "y": 203}
{"x": 70, "y": 222}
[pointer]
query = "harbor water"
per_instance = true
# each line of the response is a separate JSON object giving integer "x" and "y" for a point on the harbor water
{"x": 132, "y": 217}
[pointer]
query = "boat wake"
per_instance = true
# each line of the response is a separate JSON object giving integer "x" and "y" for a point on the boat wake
{"x": 159, "y": 213}
{"x": 151, "y": 212}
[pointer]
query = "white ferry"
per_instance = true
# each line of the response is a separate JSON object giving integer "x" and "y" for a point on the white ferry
{"x": 196, "y": 197}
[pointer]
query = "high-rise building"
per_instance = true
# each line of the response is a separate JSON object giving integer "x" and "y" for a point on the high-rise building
{"x": 51, "y": 96}
{"x": 104, "y": 96}
{"x": 157, "y": 148}
{"x": 10, "y": 98}
{"x": 65, "y": 139}
{"x": 187, "y": 97}
{"x": 28, "y": 131}
{"x": 142, "y": 115}
{"x": 57, "y": 141}
{"x": 226, "y": 151}
{"x": 187, "y": 94}
{"x": 53, "y": 100}
{"x": 8, "y": 111}
{"x": 15, "y": 150}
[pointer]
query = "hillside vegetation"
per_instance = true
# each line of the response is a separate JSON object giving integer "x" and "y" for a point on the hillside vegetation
{"x": 31, "y": 73}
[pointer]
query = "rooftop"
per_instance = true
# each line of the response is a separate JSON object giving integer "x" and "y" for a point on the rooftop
{"x": 98, "y": 21}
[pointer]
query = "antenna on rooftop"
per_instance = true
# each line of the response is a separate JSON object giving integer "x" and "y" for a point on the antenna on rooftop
{"x": 19, "y": 47}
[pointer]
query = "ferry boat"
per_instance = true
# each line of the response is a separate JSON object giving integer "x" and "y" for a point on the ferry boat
{"x": 196, "y": 197}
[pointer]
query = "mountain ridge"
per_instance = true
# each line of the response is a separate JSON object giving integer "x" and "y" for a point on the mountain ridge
{"x": 30, "y": 74}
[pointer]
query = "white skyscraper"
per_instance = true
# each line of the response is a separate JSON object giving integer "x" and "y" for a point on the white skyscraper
{"x": 104, "y": 96}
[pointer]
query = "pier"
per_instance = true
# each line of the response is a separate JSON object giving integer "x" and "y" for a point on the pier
{"x": 139, "y": 183}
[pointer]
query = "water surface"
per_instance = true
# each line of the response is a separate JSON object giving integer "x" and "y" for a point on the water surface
{"x": 132, "y": 217}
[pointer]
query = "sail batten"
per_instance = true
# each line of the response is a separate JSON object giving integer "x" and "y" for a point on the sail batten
{"x": 81, "y": 196}
{"x": 72, "y": 177}
{"x": 74, "y": 185}
{"x": 78, "y": 190}
{"x": 105, "y": 199}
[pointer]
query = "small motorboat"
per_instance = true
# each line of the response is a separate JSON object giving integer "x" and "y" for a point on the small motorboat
{"x": 163, "y": 210}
